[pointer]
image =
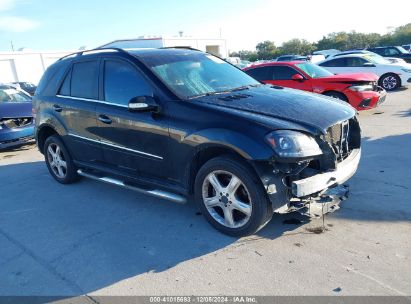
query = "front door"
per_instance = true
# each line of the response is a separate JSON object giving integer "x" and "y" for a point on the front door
{"x": 282, "y": 76}
{"x": 134, "y": 142}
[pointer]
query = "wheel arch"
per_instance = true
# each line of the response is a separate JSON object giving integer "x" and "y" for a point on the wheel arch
{"x": 337, "y": 92}
{"x": 204, "y": 154}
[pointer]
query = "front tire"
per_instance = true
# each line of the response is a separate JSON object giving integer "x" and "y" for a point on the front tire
{"x": 232, "y": 197}
{"x": 59, "y": 162}
{"x": 389, "y": 82}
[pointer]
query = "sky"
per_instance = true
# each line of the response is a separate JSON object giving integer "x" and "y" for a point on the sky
{"x": 69, "y": 25}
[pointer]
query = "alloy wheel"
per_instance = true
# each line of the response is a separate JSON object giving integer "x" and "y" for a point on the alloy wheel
{"x": 56, "y": 160}
{"x": 227, "y": 199}
{"x": 389, "y": 82}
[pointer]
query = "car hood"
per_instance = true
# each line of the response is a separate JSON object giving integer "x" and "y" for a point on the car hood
{"x": 349, "y": 77}
{"x": 15, "y": 110}
{"x": 307, "y": 109}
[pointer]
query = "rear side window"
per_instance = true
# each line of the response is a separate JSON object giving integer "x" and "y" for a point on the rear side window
{"x": 283, "y": 72}
{"x": 261, "y": 74}
{"x": 84, "y": 79}
{"x": 122, "y": 82}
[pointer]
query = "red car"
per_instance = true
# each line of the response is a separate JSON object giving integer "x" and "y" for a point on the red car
{"x": 360, "y": 90}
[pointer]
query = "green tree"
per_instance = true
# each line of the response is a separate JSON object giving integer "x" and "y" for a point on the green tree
{"x": 266, "y": 50}
{"x": 297, "y": 46}
{"x": 401, "y": 35}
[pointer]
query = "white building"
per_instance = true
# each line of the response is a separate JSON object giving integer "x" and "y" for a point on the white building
{"x": 28, "y": 65}
{"x": 216, "y": 46}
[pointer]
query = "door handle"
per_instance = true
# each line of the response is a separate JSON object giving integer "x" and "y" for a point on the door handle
{"x": 57, "y": 108}
{"x": 104, "y": 119}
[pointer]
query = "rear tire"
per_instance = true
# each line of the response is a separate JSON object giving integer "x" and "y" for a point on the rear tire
{"x": 389, "y": 82}
{"x": 337, "y": 95}
{"x": 231, "y": 197}
{"x": 59, "y": 162}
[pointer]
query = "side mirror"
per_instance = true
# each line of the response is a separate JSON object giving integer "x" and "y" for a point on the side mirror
{"x": 368, "y": 64}
{"x": 143, "y": 104}
{"x": 297, "y": 77}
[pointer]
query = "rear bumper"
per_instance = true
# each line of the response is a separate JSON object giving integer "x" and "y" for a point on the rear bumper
{"x": 319, "y": 182}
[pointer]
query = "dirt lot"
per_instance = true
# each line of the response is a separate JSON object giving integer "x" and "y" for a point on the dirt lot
{"x": 92, "y": 238}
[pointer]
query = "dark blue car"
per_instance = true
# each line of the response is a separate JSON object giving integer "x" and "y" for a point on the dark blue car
{"x": 16, "y": 118}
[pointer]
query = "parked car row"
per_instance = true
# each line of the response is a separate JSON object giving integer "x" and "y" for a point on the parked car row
{"x": 360, "y": 90}
{"x": 390, "y": 76}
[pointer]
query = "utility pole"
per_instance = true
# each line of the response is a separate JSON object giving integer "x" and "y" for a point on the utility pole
{"x": 12, "y": 46}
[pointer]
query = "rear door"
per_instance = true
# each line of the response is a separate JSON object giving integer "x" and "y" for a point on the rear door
{"x": 134, "y": 142}
{"x": 76, "y": 105}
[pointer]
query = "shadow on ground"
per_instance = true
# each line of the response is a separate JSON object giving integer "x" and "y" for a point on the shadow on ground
{"x": 75, "y": 239}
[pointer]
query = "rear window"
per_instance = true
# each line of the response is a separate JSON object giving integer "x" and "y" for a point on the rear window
{"x": 261, "y": 74}
{"x": 84, "y": 79}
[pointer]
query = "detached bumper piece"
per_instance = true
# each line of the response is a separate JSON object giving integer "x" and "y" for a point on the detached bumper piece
{"x": 317, "y": 183}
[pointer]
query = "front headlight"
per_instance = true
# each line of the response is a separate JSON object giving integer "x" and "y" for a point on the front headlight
{"x": 406, "y": 70}
{"x": 293, "y": 144}
{"x": 361, "y": 88}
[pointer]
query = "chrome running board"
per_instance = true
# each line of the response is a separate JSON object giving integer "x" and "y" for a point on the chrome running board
{"x": 154, "y": 192}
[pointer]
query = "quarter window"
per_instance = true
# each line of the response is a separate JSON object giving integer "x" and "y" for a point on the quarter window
{"x": 122, "y": 82}
{"x": 84, "y": 80}
{"x": 65, "y": 87}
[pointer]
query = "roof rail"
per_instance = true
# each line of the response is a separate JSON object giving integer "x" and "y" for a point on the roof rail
{"x": 101, "y": 49}
{"x": 180, "y": 47}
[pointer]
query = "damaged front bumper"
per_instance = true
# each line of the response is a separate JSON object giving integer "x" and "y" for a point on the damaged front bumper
{"x": 344, "y": 171}
{"x": 316, "y": 195}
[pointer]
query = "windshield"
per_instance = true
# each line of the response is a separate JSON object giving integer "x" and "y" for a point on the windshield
{"x": 314, "y": 71}
{"x": 376, "y": 59}
{"x": 13, "y": 95}
{"x": 194, "y": 74}
{"x": 402, "y": 50}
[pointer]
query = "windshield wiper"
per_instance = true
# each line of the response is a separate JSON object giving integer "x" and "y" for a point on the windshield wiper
{"x": 242, "y": 88}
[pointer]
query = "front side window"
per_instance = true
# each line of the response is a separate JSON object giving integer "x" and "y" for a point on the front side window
{"x": 192, "y": 74}
{"x": 340, "y": 62}
{"x": 122, "y": 82}
{"x": 84, "y": 79}
{"x": 392, "y": 52}
{"x": 313, "y": 70}
{"x": 283, "y": 72}
{"x": 355, "y": 62}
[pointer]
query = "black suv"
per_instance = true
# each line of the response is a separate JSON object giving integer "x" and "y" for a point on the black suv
{"x": 392, "y": 51}
{"x": 174, "y": 122}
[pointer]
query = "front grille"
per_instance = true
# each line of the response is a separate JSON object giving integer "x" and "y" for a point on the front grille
{"x": 338, "y": 137}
